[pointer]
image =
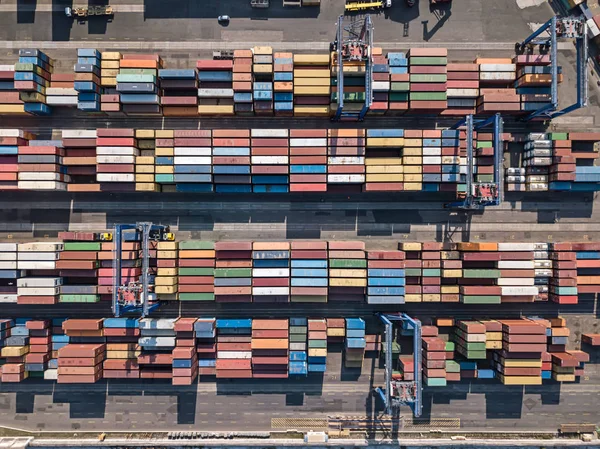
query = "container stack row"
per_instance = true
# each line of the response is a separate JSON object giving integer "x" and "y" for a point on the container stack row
{"x": 217, "y": 88}
{"x": 196, "y": 271}
{"x": 206, "y": 346}
{"x": 317, "y": 345}
{"x": 157, "y": 341}
{"x": 78, "y": 266}
{"x": 10, "y": 100}
{"x": 116, "y": 151}
{"x": 347, "y": 271}
{"x": 271, "y": 272}
{"x": 399, "y": 83}
{"x": 32, "y": 78}
{"x": 40, "y": 166}
{"x": 87, "y": 79}
{"x": 122, "y": 349}
{"x": 386, "y": 277}
{"x": 270, "y": 160}
{"x": 80, "y": 147}
{"x": 283, "y": 79}
{"x": 61, "y": 91}
{"x": 346, "y": 159}
{"x": 234, "y": 349}
{"x": 312, "y": 85}
{"x": 180, "y": 92}
{"x": 185, "y": 356}
{"x": 298, "y": 358}
{"x": 354, "y": 350}
{"x": 428, "y": 80}
{"x": 309, "y": 272}
{"x": 534, "y": 78}
{"x": 270, "y": 349}
{"x": 109, "y": 69}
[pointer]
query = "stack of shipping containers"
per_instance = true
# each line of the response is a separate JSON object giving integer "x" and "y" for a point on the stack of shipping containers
{"x": 434, "y": 359}
{"x": 166, "y": 281}
{"x": 496, "y": 86}
{"x": 32, "y": 77}
{"x": 298, "y": 332}
{"x": 87, "y": 80}
{"x": 520, "y": 361}
{"x": 130, "y": 265}
{"x": 270, "y": 349}
{"x": 206, "y": 346}
{"x": 179, "y": 92}
{"x": 428, "y": 79}
{"x": 15, "y": 347}
{"x": 61, "y": 91}
{"x": 354, "y": 84}
{"x": 262, "y": 89}
{"x": 588, "y": 267}
{"x": 399, "y": 83}
{"x": 354, "y": 351}
{"x": 40, "y": 348}
{"x": 451, "y": 160}
{"x": 480, "y": 273}
{"x": 308, "y": 160}
{"x": 347, "y": 271}
{"x": 42, "y": 285}
{"x": 336, "y": 330}
{"x": 9, "y": 273}
{"x": 10, "y": 101}
{"x": 164, "y": 161}
{"x": 386, "y": 277}
{"x": 451, "y": 273}
{"x": 122, "y": 348}
{"x": 233, "y": 272}
{"x": 196, "y": 267}
{"x": 346, "y": 159}
{"x": 381, "y": 83}
{"x": 80, "y": 159}
{"x": 469, "y": 337}
{"x": 271, "y": 272}
{"x": 185, "y": 356}
{"x": 109, "y": 69}
{"x": 242, "y": 83}
{"x": 78, "y": 267}
{"x": 144, "y": 163}
{"x": 137, "y": 84}
{"x": 383, "y": 160}
{"x": 41, "y": 166}
{"x": 157, "y": 340}
{"x": 317, "y": 345}
{"x": 517, "y": 284}
{"x": 115, "y": 158}
{"x": 431, "y": 272}
{"x": 432, "y": 160}
{"x": 413, "y": 271}
{"x": 563, "y": 288}
{"x": 309, "y": 275}
{"x": 283, "y": 86}
{"x": 10, "y": 141}
{"x": 216, "y": 87}
{"x": 234, "y": 349}
{"x": 463, "y": 88}
{"x": 413, "y": 160}
{"x": 312, "y": 79}
{"x": 192, "y": 160}
{"x": 270, "y": 160}
{"x": 81, "y": 361}
{"x": 534, "y": 78}
{"x": 231, "y": 161}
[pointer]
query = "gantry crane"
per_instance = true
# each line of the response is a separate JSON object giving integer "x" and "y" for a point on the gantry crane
{"x": 135, "y": 296}
{"x": 354, "y": 42}
{"x": 568, "y": 28}
{"x": 396, "y": 393}
{"x": 479, "y": 195}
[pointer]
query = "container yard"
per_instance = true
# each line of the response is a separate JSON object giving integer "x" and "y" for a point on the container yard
{"x": 299, "y": 223}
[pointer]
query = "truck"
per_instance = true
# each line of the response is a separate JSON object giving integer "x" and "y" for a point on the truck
{"x": 362, "y": 5}
{"x": 86, "y": 11}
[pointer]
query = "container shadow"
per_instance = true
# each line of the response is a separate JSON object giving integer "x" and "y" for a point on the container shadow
{"x": 312, "y": 385}
{"x": 549, "y": 394}
{"x": 61, "y": 24}
{"x": 504, "y": 404}
{"x": 26, "y": 11}
{"x": 90, "y": 405}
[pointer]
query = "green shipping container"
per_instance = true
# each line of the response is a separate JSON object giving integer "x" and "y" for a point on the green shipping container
{"x": 472, "y": 346}
{"x": 317, "y": 344}
{"x": 452, "y": 366}
{"x": 436, "y": 78}
{"x": 299, "y": 330}
{"x": 428, "y": 96}
{"x": 484, "y": 178}
{"x": 481, "y": 299}
{"x": 82, "y": 246}
{"x": 164, "y": 179}
{"x": 196, "y": 271}
{"x": 435, "y": 381}
{"x": 398, "y": 96}
{"x": 449, "y": 346}
{"x": 559, "y": 136}
{"x": 395, "y": 347}
{"x": 196, "y": 296}
{"x": 474, "y": 273}
{"x": 399, "y": 87}
{"x": 79, "y": 298}
{"x": 428, "y": 60}
{"x": 474, "y": 355}
{"x": 297, "y": 338}
{"x": 350, "y": 96}
{"x": 138, "y": 72}
{"x": 233, "y": 272}
{"x": 431, "y": 272}
{"x": 196, "y": 244}
{"x": 412, "y": 272}
{"x": 347, "y": 263}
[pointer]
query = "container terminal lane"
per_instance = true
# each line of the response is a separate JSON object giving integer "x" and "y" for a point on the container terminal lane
{"x": 386, "y": 223}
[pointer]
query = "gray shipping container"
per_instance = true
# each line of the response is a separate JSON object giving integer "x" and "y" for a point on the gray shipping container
{"x": 78, "y": 289}
{"x": 233, "y": 282}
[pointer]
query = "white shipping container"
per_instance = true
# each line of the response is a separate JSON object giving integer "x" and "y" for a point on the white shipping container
{"x": 537, "y": 187}
{"x": 537, "y": 136}
{"x": 8, "y": 256}
{"x": 543, "y": 272}
{"x": 541, "y": 246}
{"x": 497, "y": 76}
{"x": 297, "y": 346}
{"x": 315, "y": 142}
{"x": 507, "y": 246}
{"x": 61, "y": 100}
{"x": 515, "y": 179}
{"x": 38, "y": 256}
{"x": 37, "y": 291}
{"x": 450, "y": 160}
{"x": 117, "y": 151}
{"x": 516, "y": 264}
{"x": 192, "y": 151}
{"x": 62, "y": 91}
{"x": 39, "y": 282}
{"x": 215, "y": 93}
{"x": 462, "y": 93}
{"x": 8, "y": 265}
{"x": 270, "y": 160}
{"x": 381, "y": 86}
{"x": 516, "y": 281}
{"x": 432, "y": 151}
{"x": 432, "y": 160}
{"x": 11, "y": 133}
{"x": 270, "y": 291}
{"x": 8, "y": 247}
{"x": 541, "y": 254}
{"x": 592, "y": 28}
{"x": 339, "y": 179}
{"x": 270, "y": 272}
{"x": 105, "y": 159}
{"x": 346, "y": 160}
{"x": 41, "y": 176}
{"x": 41, "y": 185}
{"x": 385, "y": 300}
{"x": 40, "y": 246}
{"x": 51, "y": 374}
{"x": 191, "y": 160}
{"x": 475, "y": 338}
{"x": 7, "y": 67}
{"x": 157, "y": 323}
{"x": 497, "y": 67}
{"x": 28, "y": 265}
{"x": 234, "y": 355}
{"x": 163, "y": 342}
{"x": 542, "y": 264}
{"x": 255, "y": 132}
{"x": 115, "y": 177}
{"x": 79, "y": 134}
{"x": 8, "y": 298}
{"x": 520, "y": 291}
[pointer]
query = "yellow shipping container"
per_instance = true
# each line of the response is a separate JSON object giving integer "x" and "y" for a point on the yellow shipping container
{"x": 313, "y": 59}
{"x": 144, "y": 134}
{"x": 311, "y": 73}
{"x": 165, "y": 280}
{"x": 450, "y": 289}
{"x": 122, "y": 354}
{"x": 164, "y": 133}
{"x": 12, "y": 109}
{"x": 413, "y": 160}
{"x": 143, "y": 178}
{"x": 522, "y": 363}
{"x": 114, "y": 55}
{"x": 379, "y": 161}
{"x": 308, "y": 298}
{"x": 451, "y": 273}
{"x": 333, "y": 332}
{"x": 413, "y": 178}
{"x": 311, "y": 82}
{"x": 411, "y": 246}
{"x": 211, "y": 109}
{"x": 147, "y": 187}
{"x": 170, "y": 152}
{"x": 109, "y": 73}
{"x": 111, "y": 65}
{"x": 412, "y": 152}
{"x": 413, "y": 297}
{"x": 166, "y": 272}
{"x": 108, "y": 81}
{"x": 14, "y": 351}
{"x": 311, "y": 90}
{"x": 385, "y": 141}
{"x": 145, "y": 169}
{"x": 165, "y": 290}
{"x": 167, "y": 254}
{"x": 495, "y": 336}
{"x": 413, "y": 142}
{"x": 144, "y": 160}
{"x": 168, "y": 246}
{"x": 349, "y": 69}
{"x": 264, "y": 50}
{"x": 340, "y": 282}
{"x": 346, "y": 133}
{"x": 521, "y": 380}
{"x": 387, "y": 169}
{"x": 390, "y": 177}
{"x": 450, "y": 255}
{"x": 413, "y": 186}
{"x": 262, "y": 68}
{"x": 493, "y": 344}
{"x": 310, "y": 110}
{"x": 432, "y": 297}
{"x": 563, "y": 377}
{"x": 414, "y": 169}
{"x": 165, "y": 169}
{"x": 347, "y": 273}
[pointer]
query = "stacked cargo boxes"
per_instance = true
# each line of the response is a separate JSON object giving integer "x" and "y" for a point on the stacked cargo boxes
{"x": 8, "y": 274}
{"x": 354, "y": 352}
{"x": 311, "y": 84}
{"x": 164, "y": 152}
{"x": 496, "y": 91}
{"x": 15, "y": 347}
{"x": 563, "y": 284}
{"x": 58, "y": 340}
{"x": 336, "y": 330}
{"x": 354, "y": 85}
{"x": 470, "y": 339}
{"x": 428, "y": 79}
{"x": 130, "y": 265}
{"x": 137, "y": 84}
{"x": 452, "y": 366}
{"x": 216, "y": 90}
{"x": 270, "y": 349}
{"x": 10, "y": 140}
{"x": 122, "y": 348}
{"x": 206, "y": 346}
{"x": 87, "y": 80}
{"x": 270, "y": 160}
{"x": 62, "y": 90}
{"x": 185, "y": 356}
{"x": 234, "y": 349}
{"x": 413, "y": 271}
{"x": 588, "y": 267}
{"x": 563, "y": 168}
{"x": 537, "y": 159}
{"x": 451, "y": 272}
{"x": 347, "y": 271}
{"x": 40, "y": 167}
{"x": 308, "y": 160}
{"x": 10, "y": 101}
{"x": 179, "y": 92}
{"x": 413, "y": 160}
{"x": 399, "y": 83}
{"x": 40, "y": 348}
{"x": 381, "y": 83}
{"x": 493, "y": 334}
{"x": 517, "y": 275}
{"x": 78, "y": 267}
{"x": 38, "y": 257}
{"x": 81, "y": 360}
{"x": 434, "y": 361}
{"x": 271, "y": 272}
{"x": 431, "y": 274}
{"x": 406, "y": 367}
{"x": 480, "y": 273}
{"x": 298, "y": 364}
{"x": 242, "y": 83}
{"x": 534, "y": 79}
{"x": 109, "y": 65}
{"x": 233, "y": 272}
{"x": 514, "y": 180}
{"x": 192, "y": 170}
{"x": 157, "y": 340}
{"x": 144, "y": 162}
{"x": 32, "y": 77}
{"x": 196, "y": 267}
{"x": 80, "y": 159}
{"x": 451, "y": 158}
{"x": 231, "y": 161}
{"x": 115, "y": 159}
{"x": 542, "y": 270}
{"x": 484, "y": 160}
{"x": 309, "y": 276}
{"x": 262, "y": 68}
{"x": 317, "y": 345}
{"x": 432, "y": 160}
{"x": 346, "y": 159}
{"x": 463, "y": 88}
{"x": 386, "y": 277}
{"x": 520, "y": 361}
{"x": 166, "y": 281}
{"x": 591, "y": 339}
{"x": 383, "y": 160}
{"x": 283, "y": 86}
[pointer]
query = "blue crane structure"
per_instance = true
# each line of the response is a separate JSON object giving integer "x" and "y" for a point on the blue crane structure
{"x": 135, "y": 296}
{"x": 397, "y": 393}
{"x": 561, "y": 27}
{"x": 354, "y": 42}
{"x": 479, "y": 195}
